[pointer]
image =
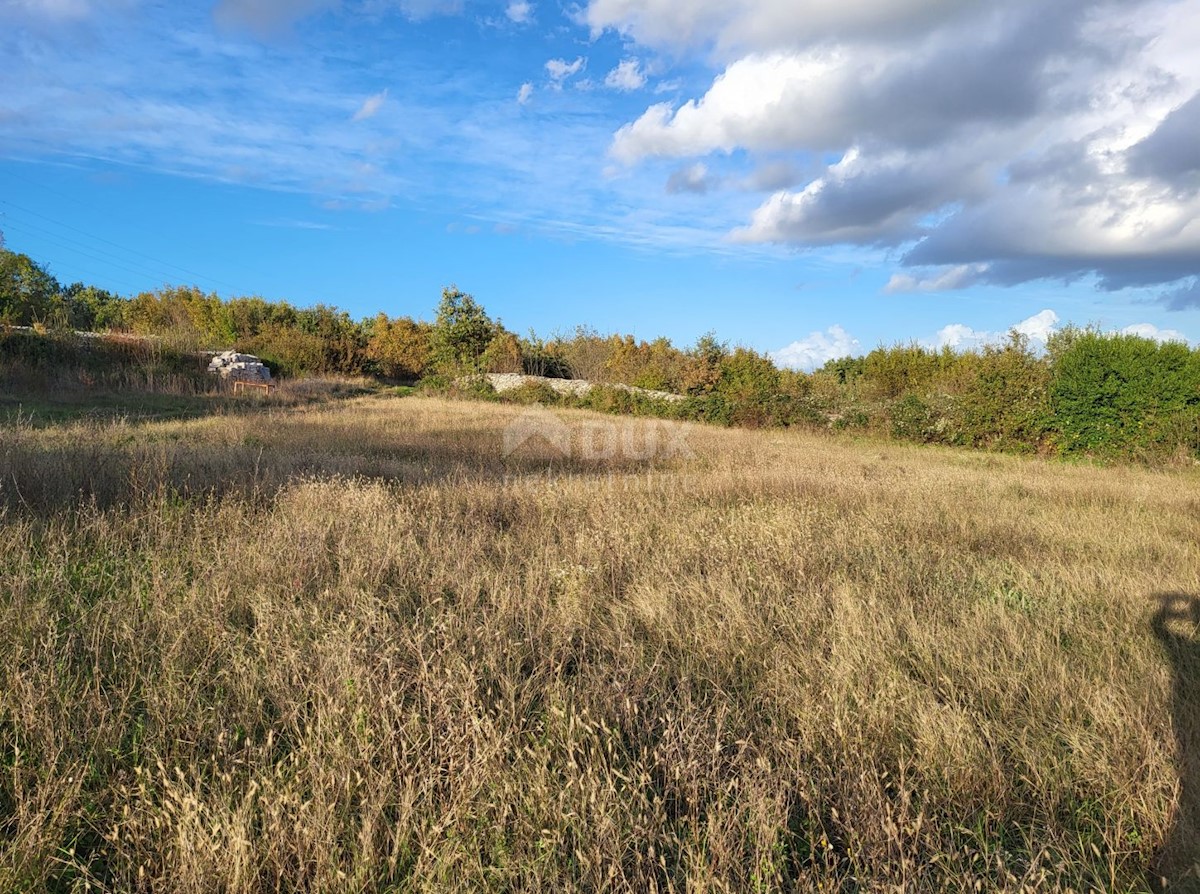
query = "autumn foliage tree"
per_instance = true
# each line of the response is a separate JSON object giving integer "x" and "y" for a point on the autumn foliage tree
{"x": 400, "y": 348}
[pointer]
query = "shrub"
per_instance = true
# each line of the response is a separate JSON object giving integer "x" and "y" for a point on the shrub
{"x": 532, "y": 393}
{"x": 502, "y": 354}
{"x": 400, "y": 349}
{"x": 606, "y": 399}
{"x": 892, "y": 372}
{"x": 539, "y": 358}
{"x": 1004, "y": 398}
{"x": 912, "y": 419}
{"x": 287, "y": 350}
{"x": 473, "y": 387}
{"x": 1115, "y": 394}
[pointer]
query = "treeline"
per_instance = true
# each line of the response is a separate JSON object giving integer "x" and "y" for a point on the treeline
{"x": 1087, "y": 393}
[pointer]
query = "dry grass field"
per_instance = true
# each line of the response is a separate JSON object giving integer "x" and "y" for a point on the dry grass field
{"x": 354, "y": 647}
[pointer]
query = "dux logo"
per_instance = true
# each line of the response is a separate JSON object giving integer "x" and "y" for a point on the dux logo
{"x": 597, "y": 440}
{"x": 538, "y": 424}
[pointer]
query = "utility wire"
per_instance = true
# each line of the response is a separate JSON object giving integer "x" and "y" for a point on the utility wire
{"x": 20, "y": 228}
{"x": 154, "y": 260}
{"x": 98, "y": 254}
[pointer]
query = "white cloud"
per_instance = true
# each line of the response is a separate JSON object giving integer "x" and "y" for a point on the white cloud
{"x": 560, "y": 69}
{"x": 626, "y": 76}
{"x": 371, "y": 106}
{"x": 865, "y": 201}
{"x": 1149, "y": 330}
{"x": 959, "y": 335}
{"x": 944, "y": 281}
{"x": 817, "y": 349}
{"x": 1017, "y": 141}
{"x": 525, "y": 93}
{"x": 1037, "y": 328}
{"x": 519, "y": 11}
{"x": 761, "y": 102}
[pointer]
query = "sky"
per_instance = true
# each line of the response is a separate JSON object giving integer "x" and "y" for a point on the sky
{"x": 809, "y": 178}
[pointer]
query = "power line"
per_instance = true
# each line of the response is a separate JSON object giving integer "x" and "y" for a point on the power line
{"x": 98, "y": 254}
{"x": 250, "y": 272}
{"x": 106, "y": 261}
{"x": 151, "y": 258}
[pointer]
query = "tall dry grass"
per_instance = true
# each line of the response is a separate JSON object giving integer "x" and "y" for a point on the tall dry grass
{"x": 355, "y": 648}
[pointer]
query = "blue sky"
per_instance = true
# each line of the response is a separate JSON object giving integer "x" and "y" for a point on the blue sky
{"x": 806, "y": 179}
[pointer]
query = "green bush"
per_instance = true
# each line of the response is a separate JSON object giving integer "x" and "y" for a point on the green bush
{"x": 853, "y": 417}
{"x": 532, "y": 393}
{"x": 901, "y": 369}
{"x": 1003, "y": 400}
{"x": 473, "y": 387}
{"x": 912, "y": 419}
{"x": 1124, "y": 395}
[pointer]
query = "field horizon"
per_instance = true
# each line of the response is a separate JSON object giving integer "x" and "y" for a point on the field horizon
{"x": 414, "y": 644}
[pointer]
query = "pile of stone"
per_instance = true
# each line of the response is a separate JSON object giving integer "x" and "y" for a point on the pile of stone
{"x": 576, "y": 387}
{"x": 235, "y": 367}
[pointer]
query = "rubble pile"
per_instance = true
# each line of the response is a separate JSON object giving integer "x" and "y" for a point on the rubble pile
{"x": 235, "y": 367}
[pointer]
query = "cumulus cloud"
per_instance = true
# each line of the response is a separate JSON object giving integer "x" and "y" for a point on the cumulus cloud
{"x": 997, "y": 143}
{"x": 694, "y": 178}
{"x": 1037, "y": 328}
{"x": 519, "y": 11}
{"x": 881, "y": 201}
{"x": 817, "y": 349}
{"x": 560, "y": 69}
{"x": 266, "y": 17}
{"x": 371, "y": 106}
{"x": 1149, "y": 330}
{"x": 960, "y": 335}
{"x": 525, "y": 94}
{"x": 626, "y": 76}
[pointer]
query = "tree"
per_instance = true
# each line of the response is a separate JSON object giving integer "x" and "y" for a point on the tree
{"x": 750, "y": 383}
{"x": 28, "y": 293}
{"x": 93, "y": 309}
{"x": 399, "y": 348}
{"x": 702, "y": 370}
{"x": 342, "y": 339}
{"x": 541, "y": 358}
{"x": 586, "y": 354}
{"x": 461, "y": 333}
{"x": 503, "y": 354}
